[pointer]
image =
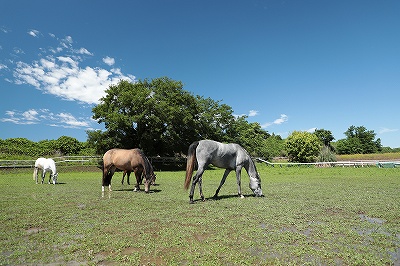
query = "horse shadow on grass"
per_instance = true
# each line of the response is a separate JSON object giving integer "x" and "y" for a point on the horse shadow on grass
{"x": 140, "y": 191}
{"x": 225, "y": 197}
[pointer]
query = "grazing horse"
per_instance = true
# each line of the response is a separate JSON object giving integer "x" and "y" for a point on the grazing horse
{"x": 229, "y": 156}
{"x": 132, "y": 160}
{"x": 46, "y": 165}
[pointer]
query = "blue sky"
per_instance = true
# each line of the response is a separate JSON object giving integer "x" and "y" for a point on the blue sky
{"x": 288, "y": 65}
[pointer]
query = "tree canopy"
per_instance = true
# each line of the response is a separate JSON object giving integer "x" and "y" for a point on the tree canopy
{"x": 358, "y": 140}
{"x": 163, "y": 119}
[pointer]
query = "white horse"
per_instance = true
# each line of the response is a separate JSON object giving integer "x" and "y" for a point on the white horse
{"x": 46, "y": 165}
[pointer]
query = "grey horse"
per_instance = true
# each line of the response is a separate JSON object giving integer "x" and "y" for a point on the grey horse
{"x": 228, "y": 156}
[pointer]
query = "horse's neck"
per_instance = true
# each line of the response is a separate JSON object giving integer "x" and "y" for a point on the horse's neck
{"x": 251, "y": 168}
{"x": 52, "y": 167}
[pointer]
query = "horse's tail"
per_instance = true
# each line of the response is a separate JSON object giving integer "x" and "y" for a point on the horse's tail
{"x": 191, "y": 161}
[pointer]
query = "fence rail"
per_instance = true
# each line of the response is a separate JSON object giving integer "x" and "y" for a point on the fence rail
{"x": 58, "y": 160}
{"x": 94, "y": 161}
{"x": 83, "y": 160}
{"x": 359, "y": 163}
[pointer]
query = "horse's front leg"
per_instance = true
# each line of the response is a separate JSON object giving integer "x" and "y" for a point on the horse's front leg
{"x": 43, "y": 174}
{"x": 138, "y": 175}
{"x": 226, "y": 173}
{"x": 107, "y": 175}
{"x": 238, "y": 177}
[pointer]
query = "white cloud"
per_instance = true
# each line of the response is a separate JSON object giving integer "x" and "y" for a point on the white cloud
{"x": 311, "y": 130}
{"x": 253, "y": 113}
{"x": 109, "y": 61}
{"x": 384, "y": 130}
{"x": 83, "y": 51}
{"x": 62, "y": 76}
{"x": 30, "y": 115}
{"x": 34, "y": 33}
{"x": 70, "y": 120}
{"x": 17, "y": 50}
{"x": 250, "y": 114}
{"x": 3, "y": 29}
{"x": 282, "y": 119}
{"x": 44, "y": 116}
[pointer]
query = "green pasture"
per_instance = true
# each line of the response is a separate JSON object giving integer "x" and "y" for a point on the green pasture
{"x": 309, "y": 216}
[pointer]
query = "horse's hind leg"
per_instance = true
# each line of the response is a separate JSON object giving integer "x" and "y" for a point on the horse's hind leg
{"x": 197, "y": 178}
{"x": 138, "y": 175}
{"x": 226, "y": 173}
{"x": 201, "y": 188}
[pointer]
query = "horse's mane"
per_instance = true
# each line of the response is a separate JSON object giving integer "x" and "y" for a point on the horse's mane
{"x": 251, "y": 162}
{"x": 147, "y": 165}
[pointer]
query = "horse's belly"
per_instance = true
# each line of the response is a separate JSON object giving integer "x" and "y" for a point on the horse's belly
{"x": 224, "y": 162}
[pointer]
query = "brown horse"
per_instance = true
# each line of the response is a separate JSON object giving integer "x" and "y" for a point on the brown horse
{"x": 132, "y": 160}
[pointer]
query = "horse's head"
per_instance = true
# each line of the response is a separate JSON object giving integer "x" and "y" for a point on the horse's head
{"x": 149, "y": 180}
{"x": 153, "y": 178}
{"x": 255, "y": 186}
{"x": 55, "y": 178}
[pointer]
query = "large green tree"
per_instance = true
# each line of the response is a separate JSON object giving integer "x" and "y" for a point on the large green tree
{"x": 158, "y": 116}
{"x": 162, "y": 118}
{"x": 358, "y": 140}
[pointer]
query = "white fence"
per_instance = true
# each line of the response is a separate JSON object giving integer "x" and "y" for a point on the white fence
{"x": 360, "y": 163}
{"x": 94, "y": 161}
{"x": 84, "y": 160}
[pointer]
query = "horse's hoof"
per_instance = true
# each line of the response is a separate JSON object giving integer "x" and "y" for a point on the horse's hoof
{"x": 241, "y": 196}
{"x": 191, "y": 202}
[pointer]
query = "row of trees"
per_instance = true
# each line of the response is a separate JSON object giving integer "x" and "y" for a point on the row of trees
{"x": 22, "y": 148}
{"x": 309, "y": 147}
{"x": 163, "y": 119}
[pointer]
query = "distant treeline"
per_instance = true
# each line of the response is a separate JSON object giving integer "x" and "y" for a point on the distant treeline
{"x": 22, "y": 148}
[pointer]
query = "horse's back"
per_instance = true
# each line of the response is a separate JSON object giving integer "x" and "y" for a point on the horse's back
{"x": 121, "y": 157}
{"x": 40, "y": 162}
{"x": 220, "y": 154}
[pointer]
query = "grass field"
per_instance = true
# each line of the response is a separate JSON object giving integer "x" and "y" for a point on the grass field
{"x": 309, "y": 216}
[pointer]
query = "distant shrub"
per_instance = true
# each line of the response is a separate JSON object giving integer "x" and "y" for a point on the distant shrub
{"x": 326, "y": 155}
